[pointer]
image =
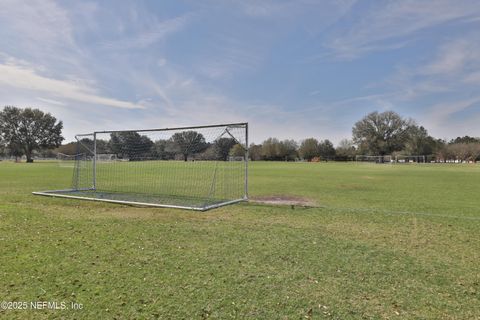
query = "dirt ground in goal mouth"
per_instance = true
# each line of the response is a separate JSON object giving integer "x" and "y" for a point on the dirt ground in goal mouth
{"x": 284, "y": 200}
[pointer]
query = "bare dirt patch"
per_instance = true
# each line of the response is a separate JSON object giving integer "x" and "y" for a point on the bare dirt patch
{"x": 284, "y": 200}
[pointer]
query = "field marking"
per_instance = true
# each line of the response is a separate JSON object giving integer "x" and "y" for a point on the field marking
{"x": 365, "y": 210}
{"x": 373, "y": 210}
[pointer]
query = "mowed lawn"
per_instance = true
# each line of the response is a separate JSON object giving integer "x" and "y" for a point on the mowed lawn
{"x": 381, "y": 241}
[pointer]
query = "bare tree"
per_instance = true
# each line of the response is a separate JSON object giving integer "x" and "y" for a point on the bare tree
{"x": 346, "y": 150}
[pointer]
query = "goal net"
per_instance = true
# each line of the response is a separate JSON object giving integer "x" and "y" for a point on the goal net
{"x": 66, "y": 160}
{"x": 373, "y": 159}
{"x": 191, "y": 167}
{"x": 410, "y": 159}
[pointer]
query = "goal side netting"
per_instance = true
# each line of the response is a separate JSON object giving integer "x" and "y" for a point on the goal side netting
{"x": 66, "y": 160}
{"x": 191, "y": 167}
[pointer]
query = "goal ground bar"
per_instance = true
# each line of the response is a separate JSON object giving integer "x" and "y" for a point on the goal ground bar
{"x": 52, "y": 194}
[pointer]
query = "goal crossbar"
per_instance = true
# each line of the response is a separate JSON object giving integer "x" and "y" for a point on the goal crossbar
{"x": 238, "y": 125}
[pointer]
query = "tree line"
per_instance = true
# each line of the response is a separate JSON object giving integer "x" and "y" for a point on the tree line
{"x": 377, "y": 134}
{"x": 28, "y": 132}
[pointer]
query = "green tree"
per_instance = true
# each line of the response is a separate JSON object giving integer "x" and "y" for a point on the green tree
{"x": 222, "y": 148}
{"x": 3, "y": 147}
{"x": 419, "y": 142}
{"x": 237, "y": 151}
{"x": 270, "y": 149}
{"x": 274, "y": 149}
{"x": 209, "y": 153}
{"x": 27, "y": 130}
{"x": 326, "y": 150}
{"x": 309, "y": 149}
{"x": 103, "y": 146}
{"x": 465, "y": 139}
{"x": 68, "y": 148}
{"x": 288, "y": 150}
{"x": 165, "y": 149}
{"x": 189, "y": 142}
{"x": 15, "y": 150}
{"x": 381, "y": 133}
{"x": 255, "y": 152}
{"x": 130, "y": 145}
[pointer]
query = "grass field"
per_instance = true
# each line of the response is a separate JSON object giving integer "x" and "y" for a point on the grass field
{"x": 396, "y": 242}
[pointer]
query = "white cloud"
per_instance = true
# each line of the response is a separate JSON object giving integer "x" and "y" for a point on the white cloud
{"x": 454, "y": 67}
{"x": 455, "y": 56}
{"x": 51, "y": 101}
{"x": 147, "y": 37}
{"x": 28, "y": 79}
{"x": 384, "y": 26}
{"x": 440, "y": 118}
{"x": 37, "y": 21}
{"x": 440, "y": 113}
{"x": 39, "y": 30}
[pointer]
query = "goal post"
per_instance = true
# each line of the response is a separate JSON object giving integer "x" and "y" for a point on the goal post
{"x": 199, "y": 168}
{"x": 410, "y": 158}
{"x": 373, "y": 159}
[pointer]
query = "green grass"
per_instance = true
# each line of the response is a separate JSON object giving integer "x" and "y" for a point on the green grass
{"x": 386, "y": 241}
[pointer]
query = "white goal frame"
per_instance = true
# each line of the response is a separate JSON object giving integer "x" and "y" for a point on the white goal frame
{"x": 408, "y": 159}
{"x": 386, "y": 159}
{"x": 94, "y": 158}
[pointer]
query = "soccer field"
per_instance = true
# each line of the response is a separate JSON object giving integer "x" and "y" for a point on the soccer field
{"x": 376, "y": 241}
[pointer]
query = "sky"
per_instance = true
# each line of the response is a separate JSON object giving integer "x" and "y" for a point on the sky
{"x": 292, "y": 69}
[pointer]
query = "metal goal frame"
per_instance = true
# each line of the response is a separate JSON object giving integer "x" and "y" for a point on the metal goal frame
{"x": 385, "y": 159}
{"x": 64, "y": 193}
{"x": 409, "y": 159}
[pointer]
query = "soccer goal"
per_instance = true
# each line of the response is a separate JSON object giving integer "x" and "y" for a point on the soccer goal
{"x": 410, "y": 159}
{"x": 373, "y": 159}
{"x": 195, "y": 168}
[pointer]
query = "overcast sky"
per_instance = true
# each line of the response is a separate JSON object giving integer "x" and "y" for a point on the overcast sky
{"x": 292, "y": 69}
